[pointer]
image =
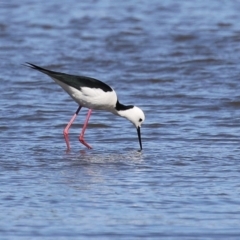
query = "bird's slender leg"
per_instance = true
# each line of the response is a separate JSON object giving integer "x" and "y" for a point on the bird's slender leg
{"x": 81, "y": 137}
{"x": 66, "y": 129}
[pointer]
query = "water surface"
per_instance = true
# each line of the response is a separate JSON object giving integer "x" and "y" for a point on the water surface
{"x": 178, "y": 61}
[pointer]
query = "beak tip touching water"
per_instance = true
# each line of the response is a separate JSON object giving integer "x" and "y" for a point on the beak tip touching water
{"x": 139, "y": 137}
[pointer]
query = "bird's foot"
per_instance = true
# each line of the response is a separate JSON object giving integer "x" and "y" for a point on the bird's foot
{"x": 81, "y": 139}
{"x": 66, "y": 140}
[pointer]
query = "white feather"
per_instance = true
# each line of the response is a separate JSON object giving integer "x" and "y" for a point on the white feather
{"x": 92, "y": 98}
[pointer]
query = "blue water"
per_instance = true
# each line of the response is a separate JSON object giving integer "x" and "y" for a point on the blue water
{"x": 179, "y": 62}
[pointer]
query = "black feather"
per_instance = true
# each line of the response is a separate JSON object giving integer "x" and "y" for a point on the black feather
{"x": 73, "y": 80}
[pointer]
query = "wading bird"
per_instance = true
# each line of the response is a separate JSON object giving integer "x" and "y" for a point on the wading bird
{"x": 93, "y": 94}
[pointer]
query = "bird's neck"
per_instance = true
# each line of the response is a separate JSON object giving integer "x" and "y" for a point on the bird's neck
{"x": 121, "y": 109}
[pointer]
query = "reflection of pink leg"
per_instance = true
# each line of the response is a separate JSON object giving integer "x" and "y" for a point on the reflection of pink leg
{"x": 81, "y": 137}
{"x": 66, "y": 129}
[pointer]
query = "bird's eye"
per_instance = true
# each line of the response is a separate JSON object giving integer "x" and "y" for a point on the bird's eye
{"x": 140, "y": 120}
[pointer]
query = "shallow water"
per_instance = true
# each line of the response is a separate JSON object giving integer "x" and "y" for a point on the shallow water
{"x": 179, "y": 63}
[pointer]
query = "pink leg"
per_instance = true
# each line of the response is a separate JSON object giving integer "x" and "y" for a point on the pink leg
{"x": 81, "y": 137}
{"x": 66, "y": 129}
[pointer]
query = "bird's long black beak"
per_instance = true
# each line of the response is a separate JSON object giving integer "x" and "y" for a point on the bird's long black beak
{"x": 139, "y": 136}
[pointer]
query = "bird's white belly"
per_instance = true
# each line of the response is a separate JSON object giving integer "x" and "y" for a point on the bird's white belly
{"x": 92, "y": 98}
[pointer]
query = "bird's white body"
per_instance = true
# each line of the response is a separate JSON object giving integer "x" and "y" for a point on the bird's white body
{"x": 92, "y": 98}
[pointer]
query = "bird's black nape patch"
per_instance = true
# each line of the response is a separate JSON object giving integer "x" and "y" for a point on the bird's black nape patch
{"x": 121, "y": 107}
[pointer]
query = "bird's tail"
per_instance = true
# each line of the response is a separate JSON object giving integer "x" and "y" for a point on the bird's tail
{"x": 43, "y": 70}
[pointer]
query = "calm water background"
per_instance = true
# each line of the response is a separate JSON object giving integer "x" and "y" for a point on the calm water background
{"x": 179, "y": 62}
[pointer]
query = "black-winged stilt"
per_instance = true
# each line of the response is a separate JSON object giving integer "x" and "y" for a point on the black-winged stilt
{"x": 93, "y": 94}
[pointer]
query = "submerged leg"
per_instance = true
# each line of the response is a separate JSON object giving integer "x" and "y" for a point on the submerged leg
{"x": 81, "y": 137}
{"x": 66, "y": 129}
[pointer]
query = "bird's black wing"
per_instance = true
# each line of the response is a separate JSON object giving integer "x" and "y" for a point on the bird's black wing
{"x": 73, "y": 80}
